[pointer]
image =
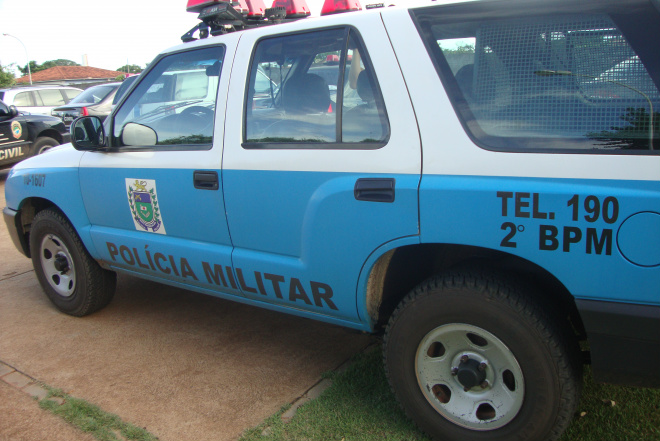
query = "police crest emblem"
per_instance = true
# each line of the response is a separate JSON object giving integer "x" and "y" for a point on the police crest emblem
{"x": 16, "y": 129}
{"x": 143, "y": 202}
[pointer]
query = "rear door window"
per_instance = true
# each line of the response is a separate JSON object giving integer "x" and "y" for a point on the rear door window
{"x": 51, "y": 97}
{"x": 304, "y": 92}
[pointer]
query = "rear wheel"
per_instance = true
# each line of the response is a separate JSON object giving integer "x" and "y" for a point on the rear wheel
{"x": 69, "y": 276}
{"x": 470, "y": 356}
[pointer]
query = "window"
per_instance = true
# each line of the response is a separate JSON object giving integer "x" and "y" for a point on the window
{"x": 314, "y": 90}
{"x": 51, "y": 97}
{"x": 23, "y": 99}
{"x": 549, "y": 82}
{"x": 174, "y": 105}
{"x": 93, "y": 95}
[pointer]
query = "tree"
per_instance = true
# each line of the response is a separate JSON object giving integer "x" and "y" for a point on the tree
{"x": 131, "y": 68}
{"x": 6, "y": 77}
{"x": 34, "y": 67}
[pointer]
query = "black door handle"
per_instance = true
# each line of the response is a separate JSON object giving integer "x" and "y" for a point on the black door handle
{"x": 206, "y": 180}
{"x": 375, "y": 189}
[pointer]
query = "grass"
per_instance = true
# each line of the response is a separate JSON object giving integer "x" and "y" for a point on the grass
{"x": 360, "y": 407}
{"x": 92, "y": 419}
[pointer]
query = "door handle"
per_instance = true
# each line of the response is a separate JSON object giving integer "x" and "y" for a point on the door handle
{"x": 205, "y": 180}
{"x": 375, "y": 189}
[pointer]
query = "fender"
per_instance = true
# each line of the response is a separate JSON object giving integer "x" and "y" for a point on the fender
{"x": 44, "y": 177}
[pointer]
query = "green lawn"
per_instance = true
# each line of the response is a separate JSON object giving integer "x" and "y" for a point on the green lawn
{"x": 360, "y": 407}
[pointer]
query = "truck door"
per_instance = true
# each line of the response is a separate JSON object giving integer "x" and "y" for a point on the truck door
{"x": 321, "y": 166}
{"x": 155, "y": 199}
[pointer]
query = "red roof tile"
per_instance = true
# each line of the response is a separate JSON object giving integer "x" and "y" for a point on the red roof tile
{"x": 69, "y": 73}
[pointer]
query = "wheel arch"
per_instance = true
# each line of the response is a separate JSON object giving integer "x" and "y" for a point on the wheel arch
{"x": 398, "y": 271}
{"x": 28, "y": 209}
{"x": 50, "y": 133}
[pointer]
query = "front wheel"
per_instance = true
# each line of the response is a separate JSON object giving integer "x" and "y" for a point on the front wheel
{"x": 470, "y": 356}
{"x": 43, "y": 144}
{"x": 69, "y": 276}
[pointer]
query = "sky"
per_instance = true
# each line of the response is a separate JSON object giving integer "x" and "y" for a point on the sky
{"x": 111, "y": 33}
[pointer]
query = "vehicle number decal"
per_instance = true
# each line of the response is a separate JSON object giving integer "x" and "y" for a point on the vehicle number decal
{"x": 35, "y": 179}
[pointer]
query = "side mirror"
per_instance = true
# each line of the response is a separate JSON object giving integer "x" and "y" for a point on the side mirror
{"x": 137, "y": 134}
{"x": 87, "y": 133}
{"x": 13, "y": 111}
{"x": 10, "y": 113}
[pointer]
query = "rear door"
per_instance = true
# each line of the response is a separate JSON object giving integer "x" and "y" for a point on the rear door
{"x": 322, "y": 172}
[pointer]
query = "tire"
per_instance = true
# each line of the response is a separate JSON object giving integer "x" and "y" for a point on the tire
{"x": 43, "y": 144}
{"x": 470, "y": 357}
{"x": 69, "y": 276}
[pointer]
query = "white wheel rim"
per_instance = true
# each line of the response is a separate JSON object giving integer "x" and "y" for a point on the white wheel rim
{"x": 447, "y": 360}
{"x": 57, "y": 265}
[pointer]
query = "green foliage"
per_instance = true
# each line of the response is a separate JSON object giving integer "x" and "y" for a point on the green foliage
{"x": 463, "y": 48}
{"x": 6, "y": 77}
{"x": 130, "y": 68}
{"x": 34, "y": 67}
{"x": 92, "y": 419}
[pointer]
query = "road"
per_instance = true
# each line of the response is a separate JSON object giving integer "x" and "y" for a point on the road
{"x": 184, "y": 365}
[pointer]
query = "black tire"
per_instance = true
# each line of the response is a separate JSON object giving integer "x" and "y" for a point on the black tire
{"x": 519, "y": 374}
{"x": 44, "y": 143}
{"x": 69, "y": 276}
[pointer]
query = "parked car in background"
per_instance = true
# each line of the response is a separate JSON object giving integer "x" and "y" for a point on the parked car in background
{"x": 95, "y": 101}
{"x": 38, "y": 100}
{"x": 121, "y": 91}
{"x": 22, "y": 136}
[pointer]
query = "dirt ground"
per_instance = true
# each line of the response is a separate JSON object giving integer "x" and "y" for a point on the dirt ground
{"x": 184, "y": 365}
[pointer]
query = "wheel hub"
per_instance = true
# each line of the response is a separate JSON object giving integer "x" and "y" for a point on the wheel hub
{"x": 61, "y": 263}
{"x": 470, "y": 373}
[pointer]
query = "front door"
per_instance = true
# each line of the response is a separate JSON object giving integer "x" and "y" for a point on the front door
{"x": 155, "y": 200}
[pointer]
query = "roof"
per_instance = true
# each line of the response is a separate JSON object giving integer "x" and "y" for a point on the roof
{"x": 69, "y": 73}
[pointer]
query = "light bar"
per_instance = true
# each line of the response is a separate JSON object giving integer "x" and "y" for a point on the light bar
{"x": 337, "y": 6}
{"x": 294, "y": 8}
{"x": 256, "y": 8}
{"x": 198, "y": 5}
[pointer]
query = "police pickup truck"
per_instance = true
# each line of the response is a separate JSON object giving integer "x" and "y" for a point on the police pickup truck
{"x": 478, "y": 180}
{"x": 22, "y": 136}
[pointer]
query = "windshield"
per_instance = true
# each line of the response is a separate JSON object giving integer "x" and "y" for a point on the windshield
{"x": 93, "y": 95}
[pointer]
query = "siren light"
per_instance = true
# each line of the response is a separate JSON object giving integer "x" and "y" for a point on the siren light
{"x": 337, "y": 6}
{"x": 294, "y": 8}
{"x": 256, "y": 8}
{"x": 198, "y": 5}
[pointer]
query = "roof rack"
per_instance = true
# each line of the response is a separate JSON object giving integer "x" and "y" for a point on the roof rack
{"x": 222, "y": 16}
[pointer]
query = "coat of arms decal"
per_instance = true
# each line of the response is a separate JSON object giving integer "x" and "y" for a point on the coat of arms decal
{"x": 143, "y": 202}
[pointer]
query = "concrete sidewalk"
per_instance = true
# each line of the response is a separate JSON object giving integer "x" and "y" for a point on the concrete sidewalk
{"x": 183, "y": 365}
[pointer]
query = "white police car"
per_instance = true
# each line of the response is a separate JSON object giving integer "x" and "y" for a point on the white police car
{"x": 462, "y": 187}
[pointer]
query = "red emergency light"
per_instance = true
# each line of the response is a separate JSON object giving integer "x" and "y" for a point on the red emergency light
{"x": 337, "y": 6}
{"x": 256, "y": 8}
{"x": 294, "y": 8}
{"x": 198, "y": 5}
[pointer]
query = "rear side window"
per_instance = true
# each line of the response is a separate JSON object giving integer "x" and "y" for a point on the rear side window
{"x": 314, "y": 90}
{"x": 23, "y": 99}
{"x": 51, "y": 97}
{"x": 565, "y": 81}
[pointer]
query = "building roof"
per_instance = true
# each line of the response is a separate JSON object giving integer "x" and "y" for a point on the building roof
{"x": 69, "y": 73}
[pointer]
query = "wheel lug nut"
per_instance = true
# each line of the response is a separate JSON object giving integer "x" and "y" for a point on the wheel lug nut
{"x": 454, "y": 370}
{"x": 484, "y": 384}
{"x": 464, "y": 359}
{"x": 482, "y": 366}
{"x": 466, "y": 389}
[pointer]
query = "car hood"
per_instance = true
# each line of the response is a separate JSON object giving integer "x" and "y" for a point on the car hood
{"x": 58, "y": 157}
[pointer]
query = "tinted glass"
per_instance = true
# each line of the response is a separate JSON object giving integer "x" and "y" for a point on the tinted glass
{"x": 176, "y": 100}
{"x": 93, "y": 95}
{"x": 547, "y": 82}
{"x": 23, "y": 99}
{"x": 51, "y": 97}
{"x": 303, "y": 93}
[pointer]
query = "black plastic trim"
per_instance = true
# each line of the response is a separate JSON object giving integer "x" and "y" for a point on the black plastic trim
{"x": 13, "y": 221}
{"x": 624, "y": 340}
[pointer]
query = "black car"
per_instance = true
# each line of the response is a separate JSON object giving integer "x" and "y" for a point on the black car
{"x": 95, "y": 101}
{"x": 22, "y": 136}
